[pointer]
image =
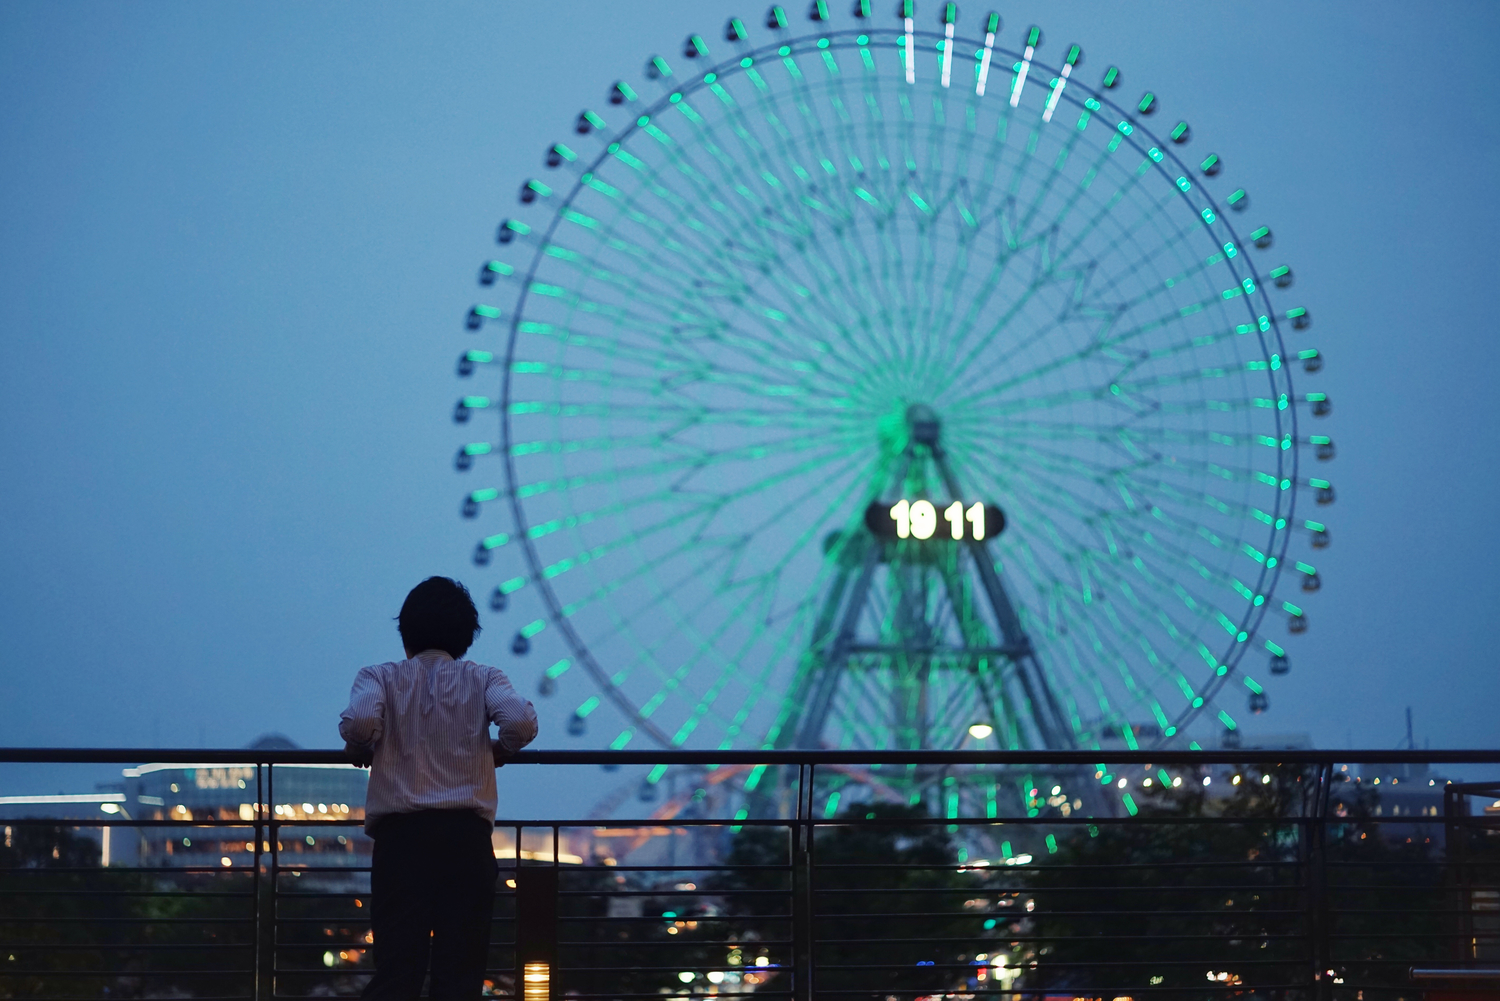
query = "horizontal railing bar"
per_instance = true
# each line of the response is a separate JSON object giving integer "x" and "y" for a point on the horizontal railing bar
{"x": 586, "y": 943}
{"x": 1014, "y": 939}
{"x": 140, "y": 997}
{"x": 122, "y": 871}
{"x": 45, "y": 947}
{"x": 560, "y": 972}
{"x": 1359, "y": 963}
{"x": 1416, "y": 864}
{"x": 202, "y": 824}
{"x": 125, "y": 921}
{"x": 1386, "y": 888}
{"x": 618, "y": 995}
{"x": 701, "y": 918}
{"x": 1392, "y": 912}
{"x": 1444, "y": 973}
{"x": 1289, "y": 821}
{"x": 1405, "y": 936}
{"x": 159, "y": 894}
{"x": 1033, "y": 992}
{"x": 668, "y": 868}
{"x": 1000, "y": 870}
{"x": 622, "y": 894}
{"x": 7, "y": 972}
{"x": 244, "y": 756}
{"x": 1042, "y": 966}
{"x": 868, "y": 916}
{"x": 339, "y": 921}
{"x": 970, "y": 890}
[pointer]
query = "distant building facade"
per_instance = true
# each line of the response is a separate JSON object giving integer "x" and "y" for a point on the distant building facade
{"x": 319, "y": 809}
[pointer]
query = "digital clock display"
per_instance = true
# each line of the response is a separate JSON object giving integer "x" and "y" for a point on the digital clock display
{"x": 923, "y": 519}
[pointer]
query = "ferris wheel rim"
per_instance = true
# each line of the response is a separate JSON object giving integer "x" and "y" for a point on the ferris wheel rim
{"x": 1287, "y": 466}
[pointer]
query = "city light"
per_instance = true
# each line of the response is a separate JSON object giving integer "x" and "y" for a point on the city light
{"x": 979, "y": 731}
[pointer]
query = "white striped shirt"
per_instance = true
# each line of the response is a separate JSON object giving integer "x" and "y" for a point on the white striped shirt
{"x": 428, "y": 719}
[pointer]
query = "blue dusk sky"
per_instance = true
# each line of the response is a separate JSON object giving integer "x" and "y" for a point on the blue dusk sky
{"x": 239, "y": 241}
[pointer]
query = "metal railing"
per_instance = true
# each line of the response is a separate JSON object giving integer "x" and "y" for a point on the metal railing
{"x": 1267, "y": 874}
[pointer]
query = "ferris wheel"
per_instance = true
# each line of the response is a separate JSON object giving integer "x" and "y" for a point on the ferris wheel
{"x": 876, "y": 383}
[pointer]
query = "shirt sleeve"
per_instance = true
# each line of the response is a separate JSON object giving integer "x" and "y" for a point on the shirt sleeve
{"x": 514, "y": 715}
{"x": 363, "y": 721}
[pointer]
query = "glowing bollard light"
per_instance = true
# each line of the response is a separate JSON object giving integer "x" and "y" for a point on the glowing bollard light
{"x": 537, "y": 982}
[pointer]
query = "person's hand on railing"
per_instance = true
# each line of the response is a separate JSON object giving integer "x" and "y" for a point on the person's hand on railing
{"x": 360, "y": 755}
{"x": 499, "y": 753}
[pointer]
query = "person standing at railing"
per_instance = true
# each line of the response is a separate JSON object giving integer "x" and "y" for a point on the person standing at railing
{"x": 422, "y": 727}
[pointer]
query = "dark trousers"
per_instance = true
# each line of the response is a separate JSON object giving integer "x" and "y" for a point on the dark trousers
{"x": 433, "y": 884}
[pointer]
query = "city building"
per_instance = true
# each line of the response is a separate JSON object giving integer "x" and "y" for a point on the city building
{"x": 319, "y": 809}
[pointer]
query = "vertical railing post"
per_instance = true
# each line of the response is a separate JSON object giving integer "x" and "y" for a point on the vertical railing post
{"x": 802, "y": 888}
{"x": 536, "y": 926}
{"x": 268, "y": 913}
{"x": 1314, "y": 839}
{"x": 257, "y": 989}
{"x": 1455, "y": 846}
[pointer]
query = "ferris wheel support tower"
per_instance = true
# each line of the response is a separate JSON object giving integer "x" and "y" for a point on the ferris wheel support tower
{"x": 1018, "y": 700}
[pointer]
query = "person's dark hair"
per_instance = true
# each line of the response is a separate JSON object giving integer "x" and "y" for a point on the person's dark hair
{"x": 438, "y": 614}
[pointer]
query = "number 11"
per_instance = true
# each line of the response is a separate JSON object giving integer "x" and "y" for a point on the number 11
{"x": 955, "y": 514}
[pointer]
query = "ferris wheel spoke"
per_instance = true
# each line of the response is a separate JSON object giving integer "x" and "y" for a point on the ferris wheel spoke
{"x": 1135, "y": 258}
{"x": 687, "y": 413}
{"x": 1188, "y": 642}
{"x": 1052, "y": 497}
{"x": 687, "y": 464}
{"x": 829, "y": 290}
{"x": 969, "y": 363}
{"x": 1111, "y": 577}
{"x": 1105, "y": 208}
{"x": 702, "y": 513}
{"x": 1098, "y": 621}
{"x": 758, "y": 349}
{"x": 687, "y": 370}
{"x": 758, "y": 150}
{"x": 1168, "y": 496}
{"x": 690, "y": 257}
{"x": 721, "y": 661}
{"x": 1084, "y": 311}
